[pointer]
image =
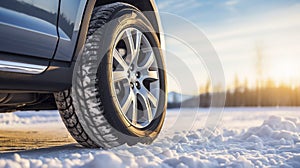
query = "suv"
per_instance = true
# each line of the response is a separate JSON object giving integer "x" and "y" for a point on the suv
{"x": 99, "y": 62}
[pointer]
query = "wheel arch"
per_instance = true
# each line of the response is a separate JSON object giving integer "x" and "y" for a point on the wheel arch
{"x": 142, "y": 5}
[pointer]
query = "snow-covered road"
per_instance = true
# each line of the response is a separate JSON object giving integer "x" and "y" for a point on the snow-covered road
{"x": 245, "y": 137}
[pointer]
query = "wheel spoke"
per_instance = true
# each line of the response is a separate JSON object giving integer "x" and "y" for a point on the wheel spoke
{"x": 120, "y": 60}
{"x": 119, "y": 76}
{"x": 151, "y": 75}
{"x": 153, "y": 99}
{"x": 146, "y": 93}
{"x": 147, "y": 62}
{"x": 134, "y": 111}
{"x": 138, "y": 42}
{"x": 128, "y": 101}
{"x": 130, "y": 42}
{"x": 134, "y": 47}
{"x": 146, "y": 105}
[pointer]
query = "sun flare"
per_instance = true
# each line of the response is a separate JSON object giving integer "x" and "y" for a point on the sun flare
{"x": 283, "y": 70}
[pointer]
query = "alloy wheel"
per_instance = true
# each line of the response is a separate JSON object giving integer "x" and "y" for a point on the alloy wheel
{"x": 135, "y": 77}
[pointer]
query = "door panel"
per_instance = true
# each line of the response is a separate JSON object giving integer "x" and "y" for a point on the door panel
{"x": 28, "y": 27}
{"x": 70, "y": 19}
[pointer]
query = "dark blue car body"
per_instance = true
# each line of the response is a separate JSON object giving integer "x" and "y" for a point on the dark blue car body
{"x": 39, "y": 43}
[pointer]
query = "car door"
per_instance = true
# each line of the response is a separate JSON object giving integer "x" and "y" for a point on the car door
{"x": 29, "y": 27}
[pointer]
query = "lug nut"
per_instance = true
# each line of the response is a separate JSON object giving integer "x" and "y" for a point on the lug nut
{"x": 131, "y": 85}
{"x": 137, "y": 84}
{"x": 138, "y": 74}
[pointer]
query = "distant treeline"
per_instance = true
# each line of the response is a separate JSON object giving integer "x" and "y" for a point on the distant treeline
{"x": 268, "y": 95}
{"x": 265, "y": 96}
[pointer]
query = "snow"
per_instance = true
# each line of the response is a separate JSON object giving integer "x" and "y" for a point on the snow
{"x": 28, "y": 118}
{"x": 245, "y": 137}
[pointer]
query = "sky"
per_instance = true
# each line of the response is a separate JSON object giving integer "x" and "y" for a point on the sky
{"x": 238, "y": 29}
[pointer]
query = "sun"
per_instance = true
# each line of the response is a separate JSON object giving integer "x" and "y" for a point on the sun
{"x": 283, "y": 70}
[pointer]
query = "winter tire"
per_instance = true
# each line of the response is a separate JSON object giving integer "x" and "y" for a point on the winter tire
{"x": 118, "y": 93}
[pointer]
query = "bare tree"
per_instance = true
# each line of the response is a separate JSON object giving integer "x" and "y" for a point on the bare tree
{"x": 259, "y": 72}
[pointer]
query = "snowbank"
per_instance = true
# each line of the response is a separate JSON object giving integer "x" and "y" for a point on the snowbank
{"x": 273, "y": 143}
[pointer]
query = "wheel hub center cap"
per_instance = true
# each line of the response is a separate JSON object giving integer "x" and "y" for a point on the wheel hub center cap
{"x": 132, "y": 76}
